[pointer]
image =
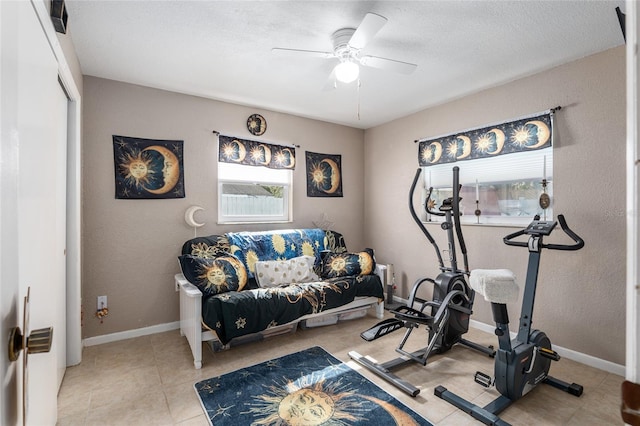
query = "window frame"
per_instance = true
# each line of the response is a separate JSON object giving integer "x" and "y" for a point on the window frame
{"x": 285, "y": 217}
{"x": 469, "y": 217}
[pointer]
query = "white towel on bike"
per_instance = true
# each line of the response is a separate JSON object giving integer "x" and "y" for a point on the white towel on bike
{"x": 496, "y": 285}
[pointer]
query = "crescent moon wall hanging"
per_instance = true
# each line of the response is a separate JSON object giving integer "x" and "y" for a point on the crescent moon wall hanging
{"x": 148, "y": 168}
{"x": 324, "y": 175}
{"x": 190, "y": 219}
{"x": 523, "y": 134}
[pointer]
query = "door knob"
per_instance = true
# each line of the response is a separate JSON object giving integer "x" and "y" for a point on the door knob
{"x": 39, "y": 341}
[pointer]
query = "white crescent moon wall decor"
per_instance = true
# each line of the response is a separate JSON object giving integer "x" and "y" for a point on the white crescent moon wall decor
{"x": 189, "y": 216}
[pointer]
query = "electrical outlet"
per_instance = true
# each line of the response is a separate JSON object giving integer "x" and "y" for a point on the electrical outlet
{"x": 102, "y": 302}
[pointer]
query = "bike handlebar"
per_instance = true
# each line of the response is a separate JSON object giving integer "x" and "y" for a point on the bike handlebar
{"x": 508, "y": 238}
{"x": 579, "y": 242}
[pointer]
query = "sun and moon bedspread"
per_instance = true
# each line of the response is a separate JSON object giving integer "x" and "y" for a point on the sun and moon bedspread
{"x": 223, "y": 268}
{"x": 238, "y": 313}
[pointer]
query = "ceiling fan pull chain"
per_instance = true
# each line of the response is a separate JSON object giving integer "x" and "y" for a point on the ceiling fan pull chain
{"x": 358, "y": 110}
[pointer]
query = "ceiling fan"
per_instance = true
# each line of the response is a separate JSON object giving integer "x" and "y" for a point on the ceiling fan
{"x": 347, "y": 46}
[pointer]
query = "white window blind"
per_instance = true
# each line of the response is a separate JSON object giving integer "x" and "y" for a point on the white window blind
{"x": 253, "y": 174}
{"x": 508, "y": 187}
{"x": 504, "y": 168}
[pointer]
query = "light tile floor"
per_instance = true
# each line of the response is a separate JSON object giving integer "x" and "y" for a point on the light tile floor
{"x": 149, "y": 380}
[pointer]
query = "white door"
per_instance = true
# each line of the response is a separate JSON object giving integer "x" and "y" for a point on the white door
{"x": 10, "y": 409}
{"x": 32, "y": 217}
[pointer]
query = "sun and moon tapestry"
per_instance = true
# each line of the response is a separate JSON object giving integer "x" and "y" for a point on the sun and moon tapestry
{"x": 515, "y": 136}
{"x": 147, "y": 168}
{"x": 254, "y": 153}
{"x": 324, "y": 175}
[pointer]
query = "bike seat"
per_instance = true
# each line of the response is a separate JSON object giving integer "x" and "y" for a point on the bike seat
{"x": 496, "y": 285}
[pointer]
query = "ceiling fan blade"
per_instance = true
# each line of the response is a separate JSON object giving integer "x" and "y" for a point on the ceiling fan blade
{"x": 297, "y": 52}
{"x": 388, "y": 64}
{"x": 367, "y": 29}
{"x": 332, "y": 82}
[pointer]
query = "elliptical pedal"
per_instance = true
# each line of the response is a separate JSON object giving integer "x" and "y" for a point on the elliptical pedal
{"x": 381, "y": 329}
{"x": 405, "y": 313}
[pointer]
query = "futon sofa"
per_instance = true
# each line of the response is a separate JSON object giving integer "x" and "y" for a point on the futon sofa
{"x": 245, "y": 286}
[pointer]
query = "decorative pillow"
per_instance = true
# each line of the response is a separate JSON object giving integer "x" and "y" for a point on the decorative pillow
{"x": 207, "y": 247}
{"x": 334, "y": 242}
{"x": 214, "y": 276}
{"x": 273, "y": 273}
{"x": 347, "y": 264}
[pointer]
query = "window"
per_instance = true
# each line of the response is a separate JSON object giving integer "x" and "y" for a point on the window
{"x": 508, "y": 187}
{"x": 250, "y": 194}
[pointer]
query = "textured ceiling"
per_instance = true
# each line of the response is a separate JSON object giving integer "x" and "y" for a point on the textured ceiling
{"x": 222, "y": 49}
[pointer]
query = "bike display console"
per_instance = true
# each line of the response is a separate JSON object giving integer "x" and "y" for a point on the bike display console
{"x": 540, "y": 227}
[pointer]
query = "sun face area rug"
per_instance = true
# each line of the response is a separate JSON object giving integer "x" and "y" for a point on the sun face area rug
{"x": 307, "y": 388}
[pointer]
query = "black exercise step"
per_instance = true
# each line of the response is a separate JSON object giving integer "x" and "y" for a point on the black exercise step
{"x": 405, "y": 313}
{"x": 381, "y": 329}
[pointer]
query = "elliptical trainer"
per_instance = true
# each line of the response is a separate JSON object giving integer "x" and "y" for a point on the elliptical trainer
{"x": 523, "y": 363}
{"x": 448, "y": 317}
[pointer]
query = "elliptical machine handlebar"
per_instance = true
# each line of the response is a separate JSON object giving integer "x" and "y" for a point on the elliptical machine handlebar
{"x": 456, "y": 216}
{"x": 417, "y": 219}
{"x": 532, "y": 229}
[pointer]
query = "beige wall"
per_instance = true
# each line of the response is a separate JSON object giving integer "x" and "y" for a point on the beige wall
{"x": 130, "y": 247}
{"x": 580, "y": 301}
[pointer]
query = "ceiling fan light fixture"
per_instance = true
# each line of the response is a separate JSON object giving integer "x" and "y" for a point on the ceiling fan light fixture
{"x": 347, "y": 71}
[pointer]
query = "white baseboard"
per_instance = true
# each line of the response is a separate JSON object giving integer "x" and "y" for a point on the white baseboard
{"x": 589, "y": 360}
{"x": 585, "y": 359}
{"x": 123, "y": 335}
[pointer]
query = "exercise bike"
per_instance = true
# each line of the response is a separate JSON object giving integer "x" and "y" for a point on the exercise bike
{"x": 446, "y": 317}
{"x": 521, "y": 364}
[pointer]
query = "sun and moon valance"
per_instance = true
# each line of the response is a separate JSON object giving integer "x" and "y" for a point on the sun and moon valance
{"x": 255, "y": 153}
{"x": 524, "y": 134}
